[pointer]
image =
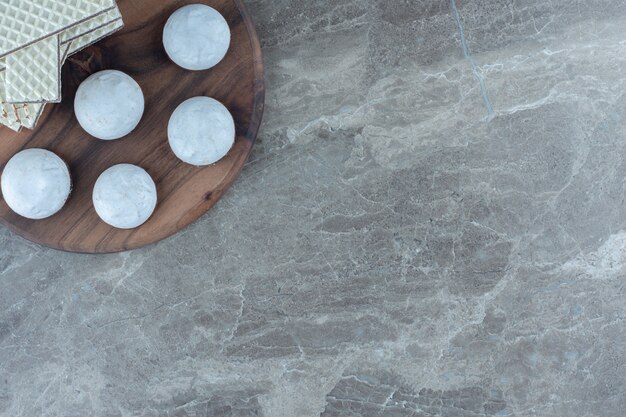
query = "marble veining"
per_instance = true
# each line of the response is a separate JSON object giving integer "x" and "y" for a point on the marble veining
{"x": 432, "y": 223}
{"x": 470, "y": 59}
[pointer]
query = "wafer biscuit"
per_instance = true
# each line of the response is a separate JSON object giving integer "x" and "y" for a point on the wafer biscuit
{"x": 8, "y": 117}
{"x": 95, "y": 36}
{"x": 90, "y": 25}
{"x": 82, "y": 29}
{"x": 28, "y": 114}
{"x": 24, "y": 22}
{"x": 74, "y": 39}
{"x": 27, "y": 82}
{"x": 33, "y": 73}
{"x": 32, "y": 112}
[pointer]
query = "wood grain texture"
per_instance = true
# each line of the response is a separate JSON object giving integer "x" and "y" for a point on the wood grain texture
{"x": 185, "y": 192}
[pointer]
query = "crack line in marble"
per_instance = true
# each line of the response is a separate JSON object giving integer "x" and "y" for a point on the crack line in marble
{"x": 470, "y": 59}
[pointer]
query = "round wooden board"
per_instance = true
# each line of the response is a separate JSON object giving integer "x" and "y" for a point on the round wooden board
{"x": 185, "y": 192}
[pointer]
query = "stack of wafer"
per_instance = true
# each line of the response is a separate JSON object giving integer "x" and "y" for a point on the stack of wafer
{"x": 36, "y": 37}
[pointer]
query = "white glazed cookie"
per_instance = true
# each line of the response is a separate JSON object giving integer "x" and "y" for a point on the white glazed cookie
{"x": 125, "y": 196}
{"x": 36, "y": 183}
{"x": 196, "y": 37}
{"x": 201, "y": 131}
{"x": 109, "y": 104}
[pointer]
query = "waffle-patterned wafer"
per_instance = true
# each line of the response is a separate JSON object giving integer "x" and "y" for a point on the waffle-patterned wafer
{"x": 33, "y": 73}
{"x": 70, "y": 41}
{"x": 29, "y": 88}
{"x": 8, "y": 117}
{"x": 32, "y": 112}
{"x": 24, "y": 22}
{"x": 28, "y": 114}
{"x": 90, "y": 25}
{"x": 95, "y": 36}
{"x": 82, "y": 29}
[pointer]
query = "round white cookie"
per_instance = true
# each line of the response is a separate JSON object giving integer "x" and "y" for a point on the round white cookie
{"x": 201, "y": 131}
{"x": 196, "y": 37}
{"x": 36, "y": 183}
{"x": 125, "y": 196}
{"x": 109, "y": 104}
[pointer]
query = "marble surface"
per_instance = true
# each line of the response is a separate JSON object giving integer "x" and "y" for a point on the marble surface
{"x": 432, "y": 224}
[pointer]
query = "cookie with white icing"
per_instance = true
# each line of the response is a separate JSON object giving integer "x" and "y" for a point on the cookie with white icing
{"x": 36, "y": 183}
{"x": 201, "y": 131}
{"x": 109, "y": 104}
{"x": 125, "y": 196}
{"x": 196, "y": 37}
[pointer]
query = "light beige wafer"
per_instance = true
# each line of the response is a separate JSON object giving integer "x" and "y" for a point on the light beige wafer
{"x": 33, "y": 73}
{"x": 28, "y": 114}
{"x": 95, "y": 36}
{"x": 90, "y": 25}
{"x": 31, "y": 80}
{"x": 82, "y": 29}
{"x": 8, "y": 117}
{"x": 7, "y": 113}
{"x": 24, "y": 22}
{"x": 32, "y": 112}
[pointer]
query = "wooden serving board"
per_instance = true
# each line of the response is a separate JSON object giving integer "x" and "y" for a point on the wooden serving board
{"x": 185, "y": 192}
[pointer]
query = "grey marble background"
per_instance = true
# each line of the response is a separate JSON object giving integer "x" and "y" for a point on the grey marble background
{"x": 432, "y": 224}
